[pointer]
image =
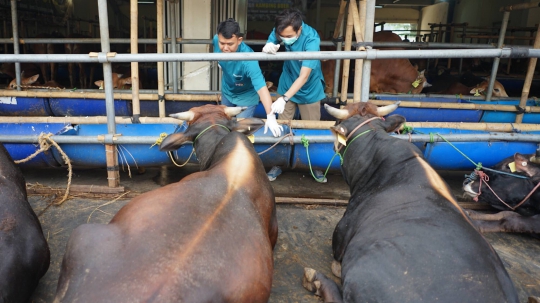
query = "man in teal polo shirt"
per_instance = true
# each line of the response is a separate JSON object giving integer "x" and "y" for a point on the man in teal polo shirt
{"x": 301, "y": 83}
{"x": 242, "y": 81}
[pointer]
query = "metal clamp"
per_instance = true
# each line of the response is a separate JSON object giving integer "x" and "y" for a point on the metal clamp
{"x": 102, "y": 57}
{"x": 506, "y": 53}
{"x": 108, "y": 138}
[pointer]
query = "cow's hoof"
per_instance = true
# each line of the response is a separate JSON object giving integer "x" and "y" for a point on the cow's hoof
{"x": 310, "y": 281}
{"x": 533, "y": 300}
{"x": 336, "y": 268}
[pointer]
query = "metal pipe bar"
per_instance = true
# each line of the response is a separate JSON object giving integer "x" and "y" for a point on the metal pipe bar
{"x": 249, "y": 42}
{"x": 16, "y": 49}
{"x": 270, "y": 140}
{"x": 107, "y": 68}
{"x": 370, "y": 54}
{"x": 368, "y": 37}
{"x": 520, "y": 6}
{"x": 495, "y": 67}
{"x": 172, "y": 7}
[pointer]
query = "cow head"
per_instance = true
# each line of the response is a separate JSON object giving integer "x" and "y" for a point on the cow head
{"x": 199, "y": 120}
{"x": 498, "y": 89}
{"x": 353, "y": 115}
{"x": 24, "y": 81}
{"x": 420, "y": 83}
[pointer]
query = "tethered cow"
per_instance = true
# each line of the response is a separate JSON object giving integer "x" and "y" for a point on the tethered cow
{"x": 207, "y": 238}
{"x": 403, "y": 237}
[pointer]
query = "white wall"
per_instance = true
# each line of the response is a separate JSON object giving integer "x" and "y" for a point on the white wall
{"x": 437, "y": 13}
{"x": 196, "y": 24}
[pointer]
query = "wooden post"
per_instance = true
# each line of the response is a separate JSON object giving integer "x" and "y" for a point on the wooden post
{"x": 359, "y": 29}
{"x": 347, "y": 62}
{"x": 528, "y": 77}
{"x": 134, "y": 41}
{"x": 113, "y": 174}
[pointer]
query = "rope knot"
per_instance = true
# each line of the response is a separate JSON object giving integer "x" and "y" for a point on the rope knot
{"x": 304, "y": 141}
{"x": 159, "y": 140}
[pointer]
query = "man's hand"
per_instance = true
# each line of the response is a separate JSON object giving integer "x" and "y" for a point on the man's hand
{"x": 278, "y": 106}
{"x": 270, "y": 48}
{"x": 272, "y": 124}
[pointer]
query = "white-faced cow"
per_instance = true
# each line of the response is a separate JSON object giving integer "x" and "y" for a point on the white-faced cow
{"x": 24, "y": 253}
{"x": 403, "y": 237}
{"x": 207, "y": 238}
{"x": 518, "y": 197}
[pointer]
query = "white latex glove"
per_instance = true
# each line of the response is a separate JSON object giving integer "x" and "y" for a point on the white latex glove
{"x": 272, "y": 124}
{"x": 278, "y": 106}
{"x": 270, "y": 48}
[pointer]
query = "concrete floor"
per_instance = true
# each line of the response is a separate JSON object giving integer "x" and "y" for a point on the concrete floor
{"x": 305, "y": 231}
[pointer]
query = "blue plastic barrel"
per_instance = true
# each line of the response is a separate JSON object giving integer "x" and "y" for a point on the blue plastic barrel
{"x": 87, "y": 107}
{"x": 22, "y": 106}
{"x": 19, "y": 151}
{"x": 93, "y": 155}
{"x": 508, "y": 117}
{"x": 436, "y": 115}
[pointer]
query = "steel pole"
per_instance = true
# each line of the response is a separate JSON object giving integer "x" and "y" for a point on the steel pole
{"x": 368, "y": 37}
{"x": 16, "y": 50}
{"x": 111, "y": 153}
{"x": 173, "y": 45}
{"x": 160, "y": 64}
{"x": 496, "y": 61}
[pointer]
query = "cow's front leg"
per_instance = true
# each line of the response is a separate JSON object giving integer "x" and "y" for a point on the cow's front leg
{"x": 319, "y": 284}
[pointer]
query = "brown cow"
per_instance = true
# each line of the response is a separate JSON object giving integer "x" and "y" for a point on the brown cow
{"x": 48, "y": 70}
{"x": 207, "y": 238}
{"x": 387, "y": 75}
{"x": 120, "y": 81}
{"x": 31, "y": 82}
{"x": 480, "y": 89}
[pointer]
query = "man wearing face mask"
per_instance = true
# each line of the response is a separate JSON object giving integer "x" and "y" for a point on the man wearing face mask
{"x": 242, "y": 82}
{"x": 301, "y": 83}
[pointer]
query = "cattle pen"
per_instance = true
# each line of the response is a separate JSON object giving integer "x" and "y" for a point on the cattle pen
{"x": 115, "y": 132}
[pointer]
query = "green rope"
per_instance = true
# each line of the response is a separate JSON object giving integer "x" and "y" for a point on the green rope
{"x": 407, "y": 129}
{"x": 478, "y": 165}
{"x": 305, "y": 142}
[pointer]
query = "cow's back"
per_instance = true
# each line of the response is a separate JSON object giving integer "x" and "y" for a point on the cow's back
{"x": 23, "y": 249}
{"x": 407, "y": 240}
{"x": 206, "y": 238}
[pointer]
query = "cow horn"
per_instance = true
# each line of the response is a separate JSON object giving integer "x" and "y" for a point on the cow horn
{"x": 233, "y": 111}
{"x": 186, "y": 116}
{"x": 385, "y": 110}
{"x": 340, "y": 114}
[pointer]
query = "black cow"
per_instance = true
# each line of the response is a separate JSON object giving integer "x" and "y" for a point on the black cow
{"x": 518, "y": 214}
{"x": 403, "y": 237}
{"x": 207, "y": 238}
{"x": 24, "y": 253}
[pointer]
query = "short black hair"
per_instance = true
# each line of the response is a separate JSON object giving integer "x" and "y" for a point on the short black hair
{"x": 289, "y": 17}
{"x": 228, "y": 28}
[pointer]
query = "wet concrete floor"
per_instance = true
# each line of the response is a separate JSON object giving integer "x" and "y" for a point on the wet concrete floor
{"x": 305, "y": 231}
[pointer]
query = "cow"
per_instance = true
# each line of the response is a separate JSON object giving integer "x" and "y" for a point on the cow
{"x": 120, "y": 81}
{"x": 387, "y": 75}
{"x": 48, "y": 70}
{"x": 517, "y": 198}
{"x": 29, "y": 82}
{"x": 24, "y": 251}
{"x": 80, "y": 48}
{"x": 403, "y": 237}
{"x": 207, "y": 238}
{"x": 447, "y": 84}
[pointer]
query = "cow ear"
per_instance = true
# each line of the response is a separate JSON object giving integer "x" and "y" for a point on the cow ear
{"x": 246, "y": 126}
{"x": 174, "y": 141}
{"x": 523, "y": 165}
{"x": 393, "y": 123}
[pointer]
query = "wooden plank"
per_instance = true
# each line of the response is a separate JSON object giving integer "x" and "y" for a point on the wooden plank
{"x": 96, "y": 189}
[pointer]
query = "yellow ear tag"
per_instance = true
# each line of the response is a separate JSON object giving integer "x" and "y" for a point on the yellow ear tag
{"x": 416, "y": 83}
{"x": 477, "y": 93}
{"x": 341, "y": 139}
{"x": 101, "y": 87}
{"x": 512, "y": 166}
{"x": 251, "y": 138}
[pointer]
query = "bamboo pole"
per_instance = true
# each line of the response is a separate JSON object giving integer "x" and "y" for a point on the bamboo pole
{"x": 339, "y": 22}
{"x": 347, "y": 62}
{"x": 448, "y": 105}
{"x": 359, "y": 23}
{"x": 134, "y": 33}
{"x": 160, "y": 67}
{"x": 528, "y": 77}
